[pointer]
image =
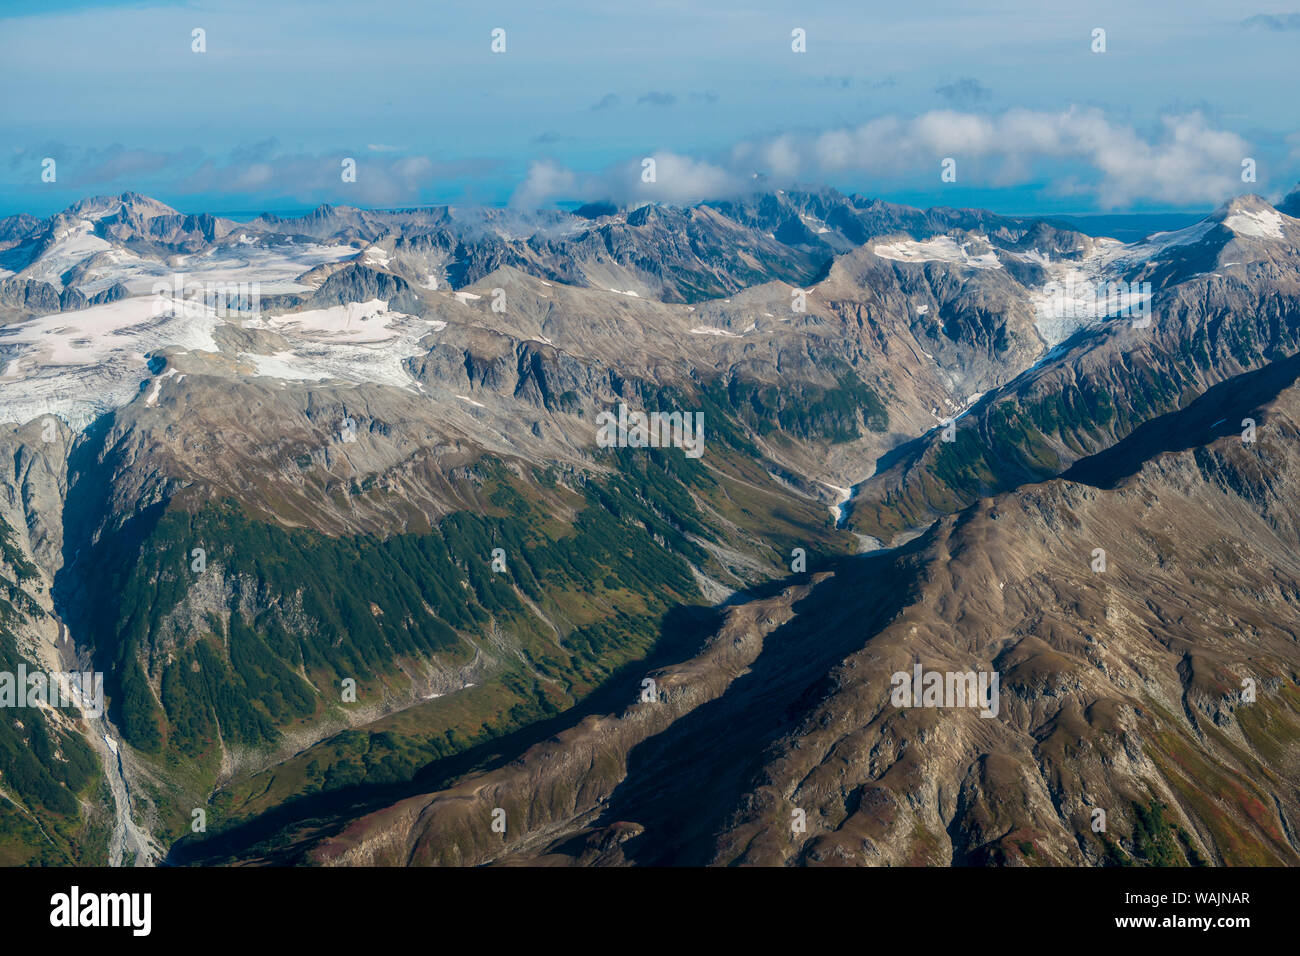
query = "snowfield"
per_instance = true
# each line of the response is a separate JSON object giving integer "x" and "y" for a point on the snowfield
{"x": 79, "y": 365}
{"x": 1075, "y": 295}
{"x": 359, "y": 343}
{"x": 1258, "y": 224}
{"x": 71, "y": 246}
{"x": 274, "y": 267}
{"x": 939, "y": 249}
{"x": 273, "y": 263}
{"x": 355, "y": 322}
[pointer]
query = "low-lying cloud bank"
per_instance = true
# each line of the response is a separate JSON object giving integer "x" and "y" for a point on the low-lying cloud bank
{"x": 1182, "y": 160}
{"x": 1076, "y": 152}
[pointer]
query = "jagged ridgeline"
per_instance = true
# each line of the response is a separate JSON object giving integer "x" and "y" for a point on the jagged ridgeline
{"x": 1094, "y": 391}
{"x": 49, "y": 777}
{"x": 554, "y": 582}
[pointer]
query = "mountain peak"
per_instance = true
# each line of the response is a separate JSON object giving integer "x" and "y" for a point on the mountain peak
{"x": 1249, "y": 216}
{"x": 101, "y": 207}
{"x": 1248, "y": 202}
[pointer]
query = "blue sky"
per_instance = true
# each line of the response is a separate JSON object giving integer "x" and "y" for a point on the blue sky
{"x": 711, "y": 89}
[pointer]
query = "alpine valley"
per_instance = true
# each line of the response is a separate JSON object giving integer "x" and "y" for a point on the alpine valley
{"x": 323, "y": 500}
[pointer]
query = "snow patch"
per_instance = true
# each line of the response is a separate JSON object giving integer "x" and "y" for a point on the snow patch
{"x": 152, "y": 399}
{"x": 79, "y": 365}
{"x": 938, "y": 249}
{"x": 1257, "y": 224}
{"x": 354, "y": 322}
{"x": 375, "y": 256}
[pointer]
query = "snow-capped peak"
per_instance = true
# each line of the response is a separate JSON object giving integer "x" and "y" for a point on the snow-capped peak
{"x": 1250, "y": 217}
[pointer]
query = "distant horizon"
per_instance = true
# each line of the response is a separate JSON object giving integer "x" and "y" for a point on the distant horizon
{"x": 232, "y": 105}
{"x": 289, "y": 210}
{"x": 1126, "y": 226}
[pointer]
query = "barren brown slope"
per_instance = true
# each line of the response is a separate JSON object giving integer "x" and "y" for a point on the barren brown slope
{"x": 1121, "y": 691}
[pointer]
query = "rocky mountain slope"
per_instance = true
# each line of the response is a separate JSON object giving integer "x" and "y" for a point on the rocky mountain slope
{"x": 324, "y": 500}
{"x": 1160, "y": 689}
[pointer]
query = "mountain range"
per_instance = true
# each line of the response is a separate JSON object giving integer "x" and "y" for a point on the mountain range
{"x": 323, "y": 499}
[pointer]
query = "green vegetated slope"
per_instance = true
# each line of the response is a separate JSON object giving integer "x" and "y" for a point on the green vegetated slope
{"x": 808, "y": 412}
{"x": 52, "y": 797}
{"x": 249, "y": 655}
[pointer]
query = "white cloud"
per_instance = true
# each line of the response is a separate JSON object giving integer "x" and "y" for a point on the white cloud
{"x": 678, "y": 179}
{"x": 1080, "y": 150}
{"x": 382, "y": 179}
{"x": 546, "y": 181}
